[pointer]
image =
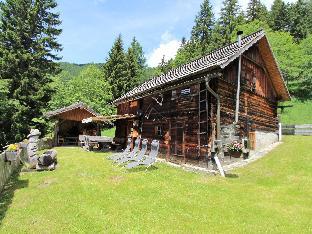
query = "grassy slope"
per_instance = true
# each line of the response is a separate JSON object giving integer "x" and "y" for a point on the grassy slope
{"x": 87, "y": 194}
{"x": 300, "y": 113}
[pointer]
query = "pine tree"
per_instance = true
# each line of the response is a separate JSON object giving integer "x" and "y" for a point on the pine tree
{"x": 230, "y": 17}
{"x": 203, "y": 28}
{"x": 279, "y": 16}
{"x": 115, "y": 69}
{"x": 28, "y": 51}
{"x": 256, "y": 11}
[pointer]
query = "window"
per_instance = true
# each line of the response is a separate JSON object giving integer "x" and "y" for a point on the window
{"x": 185, "y": 92}
{"x": 158, "y": 130}
{"x": 173, "y": 94}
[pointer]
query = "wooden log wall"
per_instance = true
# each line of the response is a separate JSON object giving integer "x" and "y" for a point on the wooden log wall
{"x": 177, "y": 114}
{"x": 254, "y": 109}
{"x": 258, "y": 105}
{"x": 254, "y": 75}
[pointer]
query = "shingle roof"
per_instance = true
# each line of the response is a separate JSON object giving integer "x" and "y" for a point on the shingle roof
{"x": 78, "y": 105}
{"x": 219, "y": 58}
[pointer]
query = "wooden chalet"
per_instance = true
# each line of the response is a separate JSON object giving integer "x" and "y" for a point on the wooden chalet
{"x": 190, "y": 106}
{"x": 69, "y": 126}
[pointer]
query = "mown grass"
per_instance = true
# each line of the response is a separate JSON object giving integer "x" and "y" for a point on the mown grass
{"x": 300, "y": 113}
{"x": 110, "y": 132}
{"x": 87, "y": 194}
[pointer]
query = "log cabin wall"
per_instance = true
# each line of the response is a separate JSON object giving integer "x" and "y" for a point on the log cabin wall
{"x": 258, "y": 104}
{"x": 174, "y": 111}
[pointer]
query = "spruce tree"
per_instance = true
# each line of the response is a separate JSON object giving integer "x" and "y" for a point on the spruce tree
{"x": 134, "y": 69}
{"x": 203, "y": 28}
{"x": 256, "y": 11}
{"x": 230, "y": 17}
{"x": 279, "y": 16}
{"x": 115, "y": 69}
{"x": 138, "y": 53}
{"x": 136, "y": 63}
{"x": 28, "y": 51}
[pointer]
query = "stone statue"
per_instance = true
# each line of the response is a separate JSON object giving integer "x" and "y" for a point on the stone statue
{"x": 47, "y": 161}
{"x": 32, "y": 147}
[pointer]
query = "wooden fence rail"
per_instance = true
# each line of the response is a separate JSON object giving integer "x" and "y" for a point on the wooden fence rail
{"x": 6, "y": 170}
{"x": 304, "y": 129}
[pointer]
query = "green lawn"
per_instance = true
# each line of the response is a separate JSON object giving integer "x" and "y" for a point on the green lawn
{"x": 300, "y": 113}
{"x": 87, "y": 194}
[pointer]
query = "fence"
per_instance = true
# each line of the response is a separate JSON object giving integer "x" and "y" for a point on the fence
{"x": 6, "y": 169}
{"x": 304, "y": 129}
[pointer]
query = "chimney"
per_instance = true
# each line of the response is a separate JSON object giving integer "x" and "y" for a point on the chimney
{"x": 239, "y": 37}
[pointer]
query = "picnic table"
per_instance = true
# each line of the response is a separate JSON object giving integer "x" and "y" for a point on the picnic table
{"x": 101, "y": 141}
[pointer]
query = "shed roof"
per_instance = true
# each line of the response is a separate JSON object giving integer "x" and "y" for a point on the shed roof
{"x": 78, "y": 105}
{"x": 219, "y": 58}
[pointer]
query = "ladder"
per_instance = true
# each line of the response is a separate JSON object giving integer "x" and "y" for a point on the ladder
{"x": 203, "y": 116}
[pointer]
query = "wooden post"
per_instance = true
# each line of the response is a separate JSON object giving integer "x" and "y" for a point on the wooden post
{"x": 183, "y": 142}
{"x": 55, "y": 138}
{"x": 168, "y": 142}
{"x": 280, "y": 132}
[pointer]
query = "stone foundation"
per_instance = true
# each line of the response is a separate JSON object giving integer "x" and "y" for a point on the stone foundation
{"x": 264, "y": 139}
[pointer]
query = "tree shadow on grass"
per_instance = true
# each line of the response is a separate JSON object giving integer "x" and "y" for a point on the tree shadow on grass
{"x": 6, "y": 196}
{"x": 231, "y": 176}
{"x": 142, "y": 168}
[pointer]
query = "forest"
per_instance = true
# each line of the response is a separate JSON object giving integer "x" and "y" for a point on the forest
{"x": 34, "y": 81}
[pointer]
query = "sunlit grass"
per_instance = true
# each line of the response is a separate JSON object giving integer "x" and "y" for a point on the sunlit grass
{"x": 88, "y": 194}
{"x": 299, "y": 113}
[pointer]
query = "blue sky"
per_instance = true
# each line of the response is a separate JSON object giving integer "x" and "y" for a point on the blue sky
{"x": 91, "y": 26}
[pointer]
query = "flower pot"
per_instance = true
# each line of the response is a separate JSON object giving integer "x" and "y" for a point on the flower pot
{"x": 235, "y": 154}
{"x": 10, "y": 156}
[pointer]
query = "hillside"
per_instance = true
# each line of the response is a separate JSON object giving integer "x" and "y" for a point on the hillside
{"x": 74, "y": 69}
{"x": 299, "y": 113}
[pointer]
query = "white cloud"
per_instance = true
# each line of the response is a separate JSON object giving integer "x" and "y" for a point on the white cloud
{"x": 168, "y": 47}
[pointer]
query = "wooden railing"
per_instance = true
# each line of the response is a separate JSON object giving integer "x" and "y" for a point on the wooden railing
{"x": 304, "y": 129}
{"x": 7, "y": 169}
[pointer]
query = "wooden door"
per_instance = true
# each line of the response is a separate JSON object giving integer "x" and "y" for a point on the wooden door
{"x": 177, "y": 138}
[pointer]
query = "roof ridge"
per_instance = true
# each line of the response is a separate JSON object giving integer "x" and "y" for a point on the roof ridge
{"x": 78, "y": 104}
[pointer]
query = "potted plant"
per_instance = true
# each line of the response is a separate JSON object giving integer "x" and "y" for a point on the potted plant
{"x": 11, "y": 152}
{"x": 235, "y": 149}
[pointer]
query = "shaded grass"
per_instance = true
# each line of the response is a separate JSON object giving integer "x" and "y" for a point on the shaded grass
{"x": 87, "y": 194}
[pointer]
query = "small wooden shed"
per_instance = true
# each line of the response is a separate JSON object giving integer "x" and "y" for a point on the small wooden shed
{"x": 69, "y": 126}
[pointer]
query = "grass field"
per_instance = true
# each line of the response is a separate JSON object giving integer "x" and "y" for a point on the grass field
{"x": 300, "y": 113}
{"x": 86, "y": 194}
